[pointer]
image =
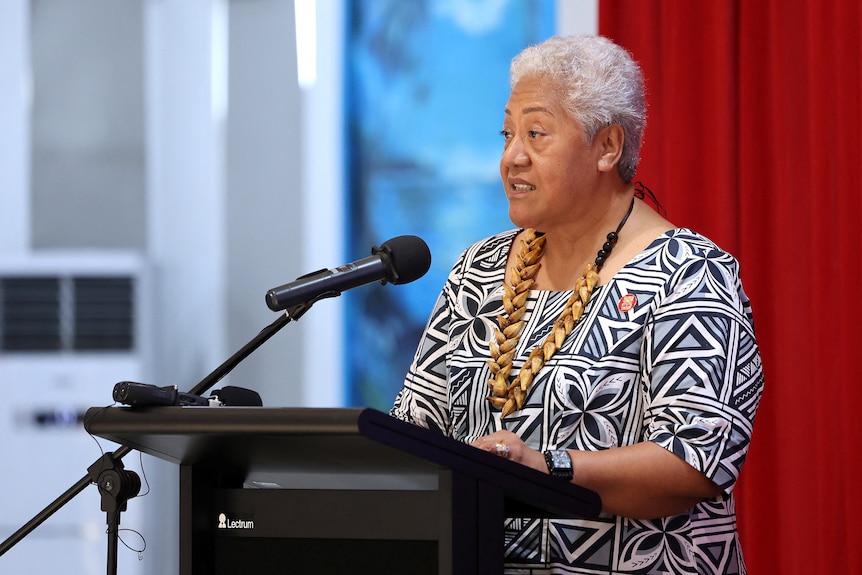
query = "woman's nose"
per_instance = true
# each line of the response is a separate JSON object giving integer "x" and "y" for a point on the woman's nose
{"x": 515, "y": 154}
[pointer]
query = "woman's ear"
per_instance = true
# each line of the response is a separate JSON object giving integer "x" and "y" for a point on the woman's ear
{"x": 610, "y": 139}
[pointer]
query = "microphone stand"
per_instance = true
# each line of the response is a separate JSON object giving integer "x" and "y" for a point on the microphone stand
{"x": 116, "y": 484}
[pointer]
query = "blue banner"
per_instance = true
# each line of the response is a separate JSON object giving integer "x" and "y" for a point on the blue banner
{"x": 426, "y": 85}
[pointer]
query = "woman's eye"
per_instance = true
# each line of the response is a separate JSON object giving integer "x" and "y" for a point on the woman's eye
{"x": 532, "y": 134}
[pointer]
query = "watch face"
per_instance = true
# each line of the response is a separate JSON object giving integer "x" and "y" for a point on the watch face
{"x": 561, "y": 459}
{"x": 559, "y": 463}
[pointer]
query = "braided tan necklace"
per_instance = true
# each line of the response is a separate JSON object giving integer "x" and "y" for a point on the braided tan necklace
{"x": 510, "y": 396}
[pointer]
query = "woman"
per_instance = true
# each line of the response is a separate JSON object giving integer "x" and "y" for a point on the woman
{"x": 596, "y": 342}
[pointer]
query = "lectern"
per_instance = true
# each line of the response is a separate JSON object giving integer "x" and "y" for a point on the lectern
{"x": 315, "y": 490}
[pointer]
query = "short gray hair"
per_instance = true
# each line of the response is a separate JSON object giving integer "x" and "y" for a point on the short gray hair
{"x": 601, "y": 85}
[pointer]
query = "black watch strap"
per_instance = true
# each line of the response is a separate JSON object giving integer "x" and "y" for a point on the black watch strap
{"x": 559, "y": 463}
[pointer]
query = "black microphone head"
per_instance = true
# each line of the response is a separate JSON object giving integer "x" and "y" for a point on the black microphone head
{"x": 409, "y": 256}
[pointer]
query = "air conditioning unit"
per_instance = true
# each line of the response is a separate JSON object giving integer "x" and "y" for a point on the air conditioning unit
{"x": 71, "y": 326}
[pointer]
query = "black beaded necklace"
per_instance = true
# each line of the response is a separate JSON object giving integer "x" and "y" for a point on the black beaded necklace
{"x": 612, "y": 238}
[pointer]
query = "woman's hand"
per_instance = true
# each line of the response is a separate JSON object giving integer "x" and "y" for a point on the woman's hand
{"x": 642, "y": 481}
{"x": 507, "y": 444}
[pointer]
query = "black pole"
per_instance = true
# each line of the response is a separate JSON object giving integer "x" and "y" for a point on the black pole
{"x": 116, "y": 486}
{"x": 58, "y": 503}
{"x": 113, "y": 521}
{"x": 225, "y": 368}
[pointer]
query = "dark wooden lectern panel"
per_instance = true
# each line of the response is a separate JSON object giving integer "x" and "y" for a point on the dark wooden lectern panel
{"x": 302, "y": 490}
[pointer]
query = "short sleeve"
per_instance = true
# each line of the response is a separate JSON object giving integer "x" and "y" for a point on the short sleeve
{"x": 702, "y": 367}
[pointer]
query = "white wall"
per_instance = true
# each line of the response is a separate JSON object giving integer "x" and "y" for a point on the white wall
{"x": 15, "y": 135}
{"x": 577, "y": 17}
{"x": 322, "y": 188}
{"x": 265, "y": 226}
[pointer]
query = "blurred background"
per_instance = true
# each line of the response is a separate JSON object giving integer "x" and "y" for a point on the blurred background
{"x": 163, "y": 163}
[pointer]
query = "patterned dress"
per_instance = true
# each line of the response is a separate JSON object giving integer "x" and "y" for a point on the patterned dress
{"x": 665, "y": 352}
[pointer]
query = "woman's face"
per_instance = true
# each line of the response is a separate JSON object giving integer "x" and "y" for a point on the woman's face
{"x": 548, "y": 168}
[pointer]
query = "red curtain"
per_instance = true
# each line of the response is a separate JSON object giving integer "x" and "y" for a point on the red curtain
{"x": 753, "y": 138}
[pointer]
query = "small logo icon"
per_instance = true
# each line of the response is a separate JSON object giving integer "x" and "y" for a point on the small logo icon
{"x": 225, "y": 522}
{"x": 627, "y": 302}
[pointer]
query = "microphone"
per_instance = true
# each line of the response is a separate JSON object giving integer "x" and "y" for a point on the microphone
{"x": 145, "y": 395}
{"x": 400, "y": 260}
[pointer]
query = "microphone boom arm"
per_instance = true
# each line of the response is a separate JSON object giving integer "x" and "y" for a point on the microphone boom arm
{"x": 111, "y": 464}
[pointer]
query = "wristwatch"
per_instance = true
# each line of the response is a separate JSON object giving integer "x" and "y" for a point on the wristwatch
{"x": 559, "y": 463}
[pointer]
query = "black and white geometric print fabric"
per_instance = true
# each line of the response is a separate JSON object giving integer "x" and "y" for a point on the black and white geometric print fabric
{"x": 665, "y": 353}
